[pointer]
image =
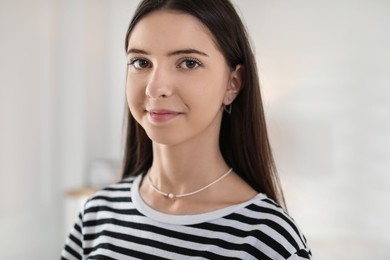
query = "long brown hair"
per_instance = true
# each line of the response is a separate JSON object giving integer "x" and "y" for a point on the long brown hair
{"x": 244, "y": 141}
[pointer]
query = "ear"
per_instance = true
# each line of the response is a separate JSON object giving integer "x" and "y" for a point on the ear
{"x": 234, "y": 85}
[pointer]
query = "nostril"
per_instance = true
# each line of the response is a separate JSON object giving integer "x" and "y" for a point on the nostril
{"x": 157, "y": 97}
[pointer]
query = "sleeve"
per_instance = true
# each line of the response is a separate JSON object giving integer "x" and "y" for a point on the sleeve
{"x": 301, "y": 254}
{"x": 74, "y": 244}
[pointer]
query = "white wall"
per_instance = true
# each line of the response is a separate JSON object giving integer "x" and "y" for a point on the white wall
{"x": 61, "y": 104}
{"x": 324, "y": 70}
{"x": 28, "y": 187}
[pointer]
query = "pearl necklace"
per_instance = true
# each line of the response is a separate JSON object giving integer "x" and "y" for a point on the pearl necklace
{"x": 172, "y": 196}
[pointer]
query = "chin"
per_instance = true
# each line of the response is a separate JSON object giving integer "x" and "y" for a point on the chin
{"x": 163, "y": 137}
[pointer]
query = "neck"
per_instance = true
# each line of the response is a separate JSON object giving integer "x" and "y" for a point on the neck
{"x": 186, "y": 167}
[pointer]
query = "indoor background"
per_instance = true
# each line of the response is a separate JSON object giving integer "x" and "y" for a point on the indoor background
{"x": 324, "y": 68}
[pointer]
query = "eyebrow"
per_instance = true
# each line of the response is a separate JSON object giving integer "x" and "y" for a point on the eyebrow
{"x": 137, "y": 51}
{"x": 172, "y": 53}
{"x": 187, "y": 51}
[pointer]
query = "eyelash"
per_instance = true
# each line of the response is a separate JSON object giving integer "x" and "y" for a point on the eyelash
{"x": 181, "y": 61}
{"x": 186, "y": 59}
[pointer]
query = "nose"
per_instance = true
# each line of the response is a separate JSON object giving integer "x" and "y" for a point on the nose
{"x": 159, "y": 84}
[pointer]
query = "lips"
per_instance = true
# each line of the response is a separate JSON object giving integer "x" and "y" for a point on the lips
{"x": 162, "y": 115}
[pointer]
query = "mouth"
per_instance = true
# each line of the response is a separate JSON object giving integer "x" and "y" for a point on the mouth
{"x": 162, "y": 115}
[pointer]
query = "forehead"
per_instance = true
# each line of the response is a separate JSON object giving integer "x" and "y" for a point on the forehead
{"x": 168, "y": 29}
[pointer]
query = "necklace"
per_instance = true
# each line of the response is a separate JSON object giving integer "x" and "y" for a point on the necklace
{"x": 172, "y": 196}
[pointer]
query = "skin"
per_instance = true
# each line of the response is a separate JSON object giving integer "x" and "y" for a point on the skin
{"x": 178, "y": 83}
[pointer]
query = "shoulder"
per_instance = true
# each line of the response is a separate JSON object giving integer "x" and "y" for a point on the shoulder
{"x": 122, "y": 185}
{"x": 273, "y": 226}
{"x": 111, "y": 196}
{"x": 264, "y": 210}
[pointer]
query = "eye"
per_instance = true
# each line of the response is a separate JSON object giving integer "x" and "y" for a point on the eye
{"x": 139, "y": 64}
{"x": 189, "y": 63}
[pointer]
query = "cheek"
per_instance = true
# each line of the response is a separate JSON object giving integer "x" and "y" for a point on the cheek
{"x": 134, "y": 96}
{"x": 211, "y": 91}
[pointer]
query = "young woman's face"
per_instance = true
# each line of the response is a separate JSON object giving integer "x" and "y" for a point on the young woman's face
{"x": 177, "y": 79}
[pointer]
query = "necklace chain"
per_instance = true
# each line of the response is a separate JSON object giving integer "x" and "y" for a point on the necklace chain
{"x": 172, "y": 196}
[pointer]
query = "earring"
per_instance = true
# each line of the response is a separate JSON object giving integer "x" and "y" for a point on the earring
{"x": 228, "y": 108}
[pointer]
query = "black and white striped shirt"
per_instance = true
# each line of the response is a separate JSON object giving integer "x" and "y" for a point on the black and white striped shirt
{"x": 116, "y": 224}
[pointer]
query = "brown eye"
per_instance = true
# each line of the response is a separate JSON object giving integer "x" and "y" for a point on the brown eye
{"x": 140, "y": 64}
{"x": 189, "y": 63}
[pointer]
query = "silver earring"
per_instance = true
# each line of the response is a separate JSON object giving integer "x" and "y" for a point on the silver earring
{"x": 228, "y": 108}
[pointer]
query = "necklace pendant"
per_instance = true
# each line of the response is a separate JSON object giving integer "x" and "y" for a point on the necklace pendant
{"x": 171, "y": 195}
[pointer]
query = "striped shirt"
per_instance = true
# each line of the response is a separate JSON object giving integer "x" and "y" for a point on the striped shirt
{"x": 117, "y": 224}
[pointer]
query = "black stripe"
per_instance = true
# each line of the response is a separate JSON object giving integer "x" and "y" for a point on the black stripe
{"x": 72, "y": 252}
{"x": 303, "y": 253}
{"x": 116, "y": 189}
{"x": 77, "y": 226}
{"x": 111, "y": 199}
{"x": 269, "y": 201}
{"x": 111, "y": 210}
{"x": 99, "y": 256}
{"x": 75, "y": 240}
{"x": 128, "y": 180}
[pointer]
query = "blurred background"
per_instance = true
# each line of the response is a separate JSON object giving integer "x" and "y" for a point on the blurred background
{"x": 324, "y": 68}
